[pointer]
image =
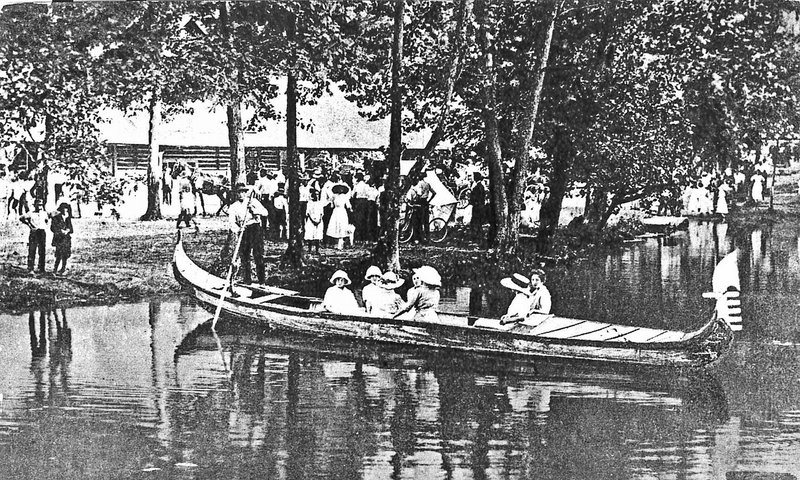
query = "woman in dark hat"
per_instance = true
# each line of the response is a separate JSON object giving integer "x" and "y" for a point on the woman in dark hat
{"x": 340, "y": 220}
{"x": 61, "y": 226}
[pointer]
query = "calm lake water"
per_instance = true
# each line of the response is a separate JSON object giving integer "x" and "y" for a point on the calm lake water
{"x": 137, "y": 391}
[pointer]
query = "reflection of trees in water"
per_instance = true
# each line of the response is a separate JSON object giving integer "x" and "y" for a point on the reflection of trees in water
{"x": 300, "y": 414}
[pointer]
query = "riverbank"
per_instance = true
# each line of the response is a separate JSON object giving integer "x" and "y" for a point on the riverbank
{"x": 117, "y": 260}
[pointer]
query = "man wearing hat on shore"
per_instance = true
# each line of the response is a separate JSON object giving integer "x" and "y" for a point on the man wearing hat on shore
{"x": 244, "y": 215}
{"x": 477, "y": 199}
{"x": 37, "y": 222}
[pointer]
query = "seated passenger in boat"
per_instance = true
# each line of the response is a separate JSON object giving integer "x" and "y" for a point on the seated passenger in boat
{"x": 373, "y": 289}
{"x": 532, "y": 296}
{"x": 388, "y": 302}
{"x": 339, "y": 299}
{"x": 520, "y": 306}
{"x": 542, "y": 301}
{"x": 424, "y": 299}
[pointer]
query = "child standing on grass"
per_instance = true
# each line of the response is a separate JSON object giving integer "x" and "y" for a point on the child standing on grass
{"x": 314, "y": 230}
{"x": 187, "y": 201}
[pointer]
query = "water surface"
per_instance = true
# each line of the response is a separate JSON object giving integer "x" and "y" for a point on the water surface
{"x": 137, "y": 391}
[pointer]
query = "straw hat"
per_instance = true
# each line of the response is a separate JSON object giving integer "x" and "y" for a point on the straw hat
{"x": 373, "y": 271}
{"x": 241, "y": 187}
{"x": 340, "y": 274}
{"x": 390, "y": 281}
{"x": 516, "y": 282}
{"x": 429, "y": 275}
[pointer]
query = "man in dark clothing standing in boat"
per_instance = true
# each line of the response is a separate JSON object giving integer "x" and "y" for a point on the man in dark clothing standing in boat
{"x": 244, "y": 215}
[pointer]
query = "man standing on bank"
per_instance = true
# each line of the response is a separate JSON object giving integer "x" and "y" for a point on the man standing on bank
{"x": 37, "y": 222}
{"x": 244, "y": 214}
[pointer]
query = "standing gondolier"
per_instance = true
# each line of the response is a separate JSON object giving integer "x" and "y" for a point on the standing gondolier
{"x": 244, "y": 214}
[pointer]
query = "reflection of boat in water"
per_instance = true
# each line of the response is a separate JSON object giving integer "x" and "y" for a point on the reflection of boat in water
{"x": 537, "y": 335}
{"x": 651, "y": 386}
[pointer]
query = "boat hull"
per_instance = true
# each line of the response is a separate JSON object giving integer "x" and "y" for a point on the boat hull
{"x": 460, "y": 332}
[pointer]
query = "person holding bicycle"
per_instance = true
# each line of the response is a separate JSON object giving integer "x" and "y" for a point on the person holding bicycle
{"x": 418, "y": 199}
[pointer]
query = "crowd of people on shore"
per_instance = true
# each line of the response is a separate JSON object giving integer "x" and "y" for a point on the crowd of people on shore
{"x": 336, "y": 208}
{"x": 714, "y": 192}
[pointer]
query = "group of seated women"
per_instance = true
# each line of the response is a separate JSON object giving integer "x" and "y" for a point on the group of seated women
{"x": 380, "y": 297}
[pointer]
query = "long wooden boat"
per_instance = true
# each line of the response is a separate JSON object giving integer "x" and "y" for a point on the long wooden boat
{"x": 536, "y": 336}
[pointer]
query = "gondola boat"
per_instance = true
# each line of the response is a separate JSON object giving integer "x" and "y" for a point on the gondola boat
{"x": 536, "y": 336}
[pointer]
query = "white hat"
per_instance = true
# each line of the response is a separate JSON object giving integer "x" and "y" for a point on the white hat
{"x": 373, "y": 271}
{"x": 516, "y": 282}
{"x": 390, "y": 281}
{"x": 340, "y": 274}
{"x": 428, "y": 275}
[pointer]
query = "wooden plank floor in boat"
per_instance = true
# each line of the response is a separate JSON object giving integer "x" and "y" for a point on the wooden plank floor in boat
{"x": 586, "y": 330}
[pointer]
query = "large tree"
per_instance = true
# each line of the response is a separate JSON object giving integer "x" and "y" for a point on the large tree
{"x": 47, "y": 105}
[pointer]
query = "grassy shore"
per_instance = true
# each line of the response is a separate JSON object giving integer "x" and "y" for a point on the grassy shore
{"x": 118, "y": 260}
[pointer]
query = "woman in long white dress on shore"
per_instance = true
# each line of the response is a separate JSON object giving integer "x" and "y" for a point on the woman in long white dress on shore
{"x": 722, "y": 198}
{"x": 338, "y": 225}
{"x": 758, "y": 187}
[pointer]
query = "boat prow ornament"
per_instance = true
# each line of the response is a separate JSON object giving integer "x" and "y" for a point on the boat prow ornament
{"x": 726, "y": 291}
{"x": 549, "y": 337}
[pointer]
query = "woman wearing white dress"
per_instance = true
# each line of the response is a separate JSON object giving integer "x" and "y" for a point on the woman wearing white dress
{"x": 338, "y": 226}
{"x": 388, "y": 302}
{"x": 374, "y": 289}
{"x": 338, "y": 298}
{"x": 758, "y": 187}
{"x": 314, "y": 230}
{"x": 722, "y": 198}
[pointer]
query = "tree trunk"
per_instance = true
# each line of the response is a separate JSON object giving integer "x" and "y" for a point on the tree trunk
{"x": 236, "y": 142}
{"x": 522, "y": 167}
{"x": 294, "y": 251}
{"x": 387, "y": 251}
{"x": 551, "y": 208}
{"x": 453, "y": 73}
{"x": 154, "y": 166}
{"x": 494, "y": 154}
{"x": 234, "y": 108}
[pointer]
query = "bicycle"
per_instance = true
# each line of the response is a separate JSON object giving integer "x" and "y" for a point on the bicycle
{"x": 439, "y": 227}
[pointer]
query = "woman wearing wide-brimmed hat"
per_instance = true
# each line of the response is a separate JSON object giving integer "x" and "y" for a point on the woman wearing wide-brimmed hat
{"x": 61, "y": 226}
{"x": 424, "y": 299}
{"x": 532, "y": 296}
{"x": 373, "y": 289}
{"x": 338, "y": 298}
{"x": 340, "y": 220}
{"x": 388, "y": 302}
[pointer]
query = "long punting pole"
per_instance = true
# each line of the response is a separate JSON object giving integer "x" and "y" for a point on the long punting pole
{"x": 229, "y": 276}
